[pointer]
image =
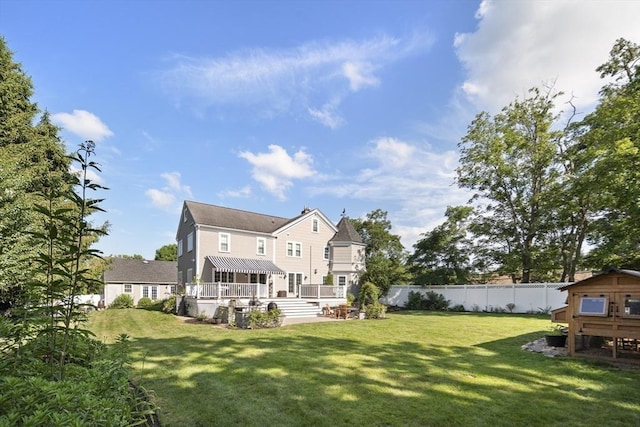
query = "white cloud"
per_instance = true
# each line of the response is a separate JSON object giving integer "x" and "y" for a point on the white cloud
{"x": 292, "y": 80}
{"x": 169, "y": 197}
{"x": 521, "y": 44}
{"x": 160, "y": 199}
{"x": 84, "y": 124}
{"x": 416, "y": 182}
{"x": 243, "y": 193}
{"x": 276, "y": 170}
{"x": 359, "y": 75}
{"x": 327, "y": 117}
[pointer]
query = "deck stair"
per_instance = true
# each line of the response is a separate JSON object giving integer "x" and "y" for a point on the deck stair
{"x": 297, "y": 308}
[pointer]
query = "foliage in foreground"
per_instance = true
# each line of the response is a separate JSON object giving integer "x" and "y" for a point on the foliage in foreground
{"x": 96, "y": 390}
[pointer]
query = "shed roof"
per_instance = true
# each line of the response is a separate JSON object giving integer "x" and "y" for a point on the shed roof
{"x": 141, "y": 271}
{"x": 219, "y": 216}
{"x": 632, "y": 273}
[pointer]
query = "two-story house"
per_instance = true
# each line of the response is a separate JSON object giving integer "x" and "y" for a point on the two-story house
{"x": 226, "y": 253}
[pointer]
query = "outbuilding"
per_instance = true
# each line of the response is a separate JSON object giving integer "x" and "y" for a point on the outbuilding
{"x": 603, "y": 316}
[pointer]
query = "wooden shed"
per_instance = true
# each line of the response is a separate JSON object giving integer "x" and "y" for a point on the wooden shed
{"x": 603, "y": 314}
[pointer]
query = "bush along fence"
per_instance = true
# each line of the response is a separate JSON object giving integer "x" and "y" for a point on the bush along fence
{"x": 518, "y": 298}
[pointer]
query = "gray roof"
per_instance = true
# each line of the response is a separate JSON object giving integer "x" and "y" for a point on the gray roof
{"x": 141, "y": 271}
{"x": 346, "y": 232}
{"x": 236, "y": 219}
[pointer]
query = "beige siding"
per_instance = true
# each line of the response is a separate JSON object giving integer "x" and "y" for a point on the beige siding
{"x": 242, "y": 244}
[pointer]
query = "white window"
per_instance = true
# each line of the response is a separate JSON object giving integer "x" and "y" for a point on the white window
{"x": 190, "y": 242}
{"x": 326, "y": 252}
{"x": 261, "y": 245}
{"x": 314, "y": 225}
{"x": 258, "y": 278}
{"x": 145, "y": 292}
{"x": 294, "y": 249}
{"x": 223, "y": 276}
{"x": 224, "y": 242}
{"x": 127, "y": 289}
{"x": 180, "y": 247}
{"x": 342, "y": 280}
{"x": 154, "y": 293}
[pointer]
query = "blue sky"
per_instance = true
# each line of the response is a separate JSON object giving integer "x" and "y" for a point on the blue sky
{"x": 271, "y": 106}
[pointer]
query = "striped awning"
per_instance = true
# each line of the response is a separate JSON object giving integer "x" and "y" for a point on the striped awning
{"x": 244, "y": 265}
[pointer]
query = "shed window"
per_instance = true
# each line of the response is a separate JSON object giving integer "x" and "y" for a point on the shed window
{"x": 632, "y": 306}
{"x": 593, "y": 306}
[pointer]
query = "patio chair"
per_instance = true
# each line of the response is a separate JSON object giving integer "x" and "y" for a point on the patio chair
{"x": 342, "y": 312}
{"x": 327, "y": 311}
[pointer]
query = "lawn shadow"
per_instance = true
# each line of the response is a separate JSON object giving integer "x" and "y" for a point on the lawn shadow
{"x": 331, "y": 374}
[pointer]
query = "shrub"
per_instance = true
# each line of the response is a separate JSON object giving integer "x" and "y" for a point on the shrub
{"x": 414, "y": 301}
{"x": 375, "y": 311}
{"x": 122, "y": 301}
{"x": 145, "y": 302}
{"x": 435, "y": 301}
{"x": 350, "y": 298}
{"x": 265, "y": 319}
{"x": 368, "y": 294}
{"x": 169, "y": 305}
{"x": 457, "y": 307}
{"x": 95, "y": 395}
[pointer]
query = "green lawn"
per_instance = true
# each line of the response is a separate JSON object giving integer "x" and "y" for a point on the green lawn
{"x": 412, "y": 369}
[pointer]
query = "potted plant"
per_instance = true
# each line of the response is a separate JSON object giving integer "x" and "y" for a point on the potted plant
{"x": 557, "y": 337}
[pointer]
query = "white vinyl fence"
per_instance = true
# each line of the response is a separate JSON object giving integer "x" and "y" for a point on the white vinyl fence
{"x": 527, "y": 297}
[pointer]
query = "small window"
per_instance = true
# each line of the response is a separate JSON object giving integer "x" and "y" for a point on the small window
{"x": 190, "y": 242}
{"x": 593, "y": 306}
{"x": 184, "y": 215}
{"x": 224, "y": 242}
{"x": 261, "y": 245}
{"x": 314, "y": 225}
{"x": 342, "y": 280}
{"x": 632, "y": 306}
{"x": 127, "y": 289}
{"x": 180, "y": 247}
{"x": 294, "y": 249}
{"x": 326, "y": 252}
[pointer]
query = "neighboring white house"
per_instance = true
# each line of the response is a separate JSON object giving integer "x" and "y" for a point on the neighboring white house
{"x": 139, "y": 278}
{"x": 224, "y": 248}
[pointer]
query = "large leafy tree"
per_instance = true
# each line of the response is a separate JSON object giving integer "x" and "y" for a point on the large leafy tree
{"x": 445, "y": 254}
{"x": 611, "y": 141}
{"x": 167, "y": 253}
{"x": 385, "y": 256}
{"x": 32, "y": 161}
{"x": 509, "y": 161}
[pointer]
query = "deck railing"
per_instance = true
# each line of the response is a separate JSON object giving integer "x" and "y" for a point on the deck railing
{"x": 322, "y": 291}
{"x": 258, "y": 290}
{"x": 227, "y": 290}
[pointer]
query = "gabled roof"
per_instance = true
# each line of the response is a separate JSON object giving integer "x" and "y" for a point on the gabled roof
{"x": 141, "y": 271}
{"x": 632, "y": 273}
{"x": 235, "y": 219}
{"x": 346, "y": 232}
